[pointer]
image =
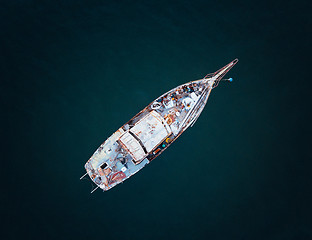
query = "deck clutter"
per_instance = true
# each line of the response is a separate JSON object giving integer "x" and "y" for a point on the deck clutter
{"x": 151, "y": 131}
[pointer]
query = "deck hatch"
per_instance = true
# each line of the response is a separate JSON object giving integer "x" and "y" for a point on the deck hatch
{"x": 133, "y": 146}
{"x": 151, "y": 130}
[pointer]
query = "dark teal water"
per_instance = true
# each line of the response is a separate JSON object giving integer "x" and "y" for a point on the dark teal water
{"x": 73, "y": 72}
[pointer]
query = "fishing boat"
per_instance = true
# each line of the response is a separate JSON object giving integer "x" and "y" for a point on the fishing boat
{"x": 151, "y": 131}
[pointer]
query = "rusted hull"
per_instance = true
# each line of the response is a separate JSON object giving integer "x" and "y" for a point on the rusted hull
{"x": 151, "y": 131}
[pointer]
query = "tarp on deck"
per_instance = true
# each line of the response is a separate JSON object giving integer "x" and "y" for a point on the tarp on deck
{"x": 151, "y": 130}
{"x": 133, "y": 146}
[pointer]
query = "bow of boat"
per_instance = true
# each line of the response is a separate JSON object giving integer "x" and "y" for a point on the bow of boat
{"x": 214, "y": 78}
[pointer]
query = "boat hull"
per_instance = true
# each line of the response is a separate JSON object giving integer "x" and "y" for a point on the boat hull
{"x": 150, "y": 132}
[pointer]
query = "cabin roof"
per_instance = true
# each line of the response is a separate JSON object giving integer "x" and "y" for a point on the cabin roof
{"x": 133, "y": 146}
{"x": 151, "y": 130}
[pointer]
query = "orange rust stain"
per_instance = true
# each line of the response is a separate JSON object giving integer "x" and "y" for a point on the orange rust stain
{"x": 100, "y": 170}
{"x": 107, "y": 171}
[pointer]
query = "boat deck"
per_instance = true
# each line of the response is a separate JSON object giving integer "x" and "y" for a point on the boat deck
{"x": 145, "y": 136}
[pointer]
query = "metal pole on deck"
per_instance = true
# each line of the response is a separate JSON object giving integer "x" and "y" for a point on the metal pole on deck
{"x": 94, "y": 189}
{"x": 83, "y": 176}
